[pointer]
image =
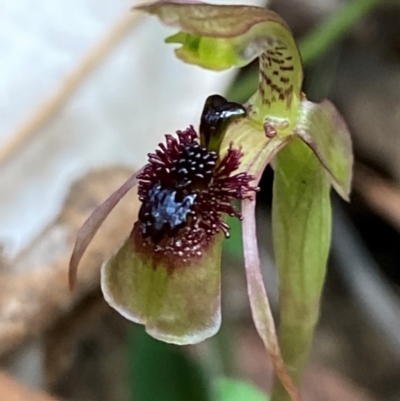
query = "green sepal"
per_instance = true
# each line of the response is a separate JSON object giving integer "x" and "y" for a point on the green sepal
{"x": 179, "y": 305}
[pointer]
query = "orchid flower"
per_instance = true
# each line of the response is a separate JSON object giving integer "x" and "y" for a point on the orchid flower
{"x": 167, "y": 273}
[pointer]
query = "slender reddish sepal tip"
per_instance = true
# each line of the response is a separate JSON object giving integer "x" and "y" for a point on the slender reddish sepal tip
{"x": 92, "y": 225}
{"x": 259, "y": 303}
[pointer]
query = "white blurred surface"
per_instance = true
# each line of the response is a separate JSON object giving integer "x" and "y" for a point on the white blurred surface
{"x": 119, "y": 114}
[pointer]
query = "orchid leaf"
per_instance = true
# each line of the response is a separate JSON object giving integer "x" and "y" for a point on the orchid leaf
{"x": 218, "y": 37}
{"x": 179, "y": 305}
{"x": 301, "y": 222}
{"x": 324, "y": 130}
{"x": 92, "y": 224}
{"x": 259, "y": 303}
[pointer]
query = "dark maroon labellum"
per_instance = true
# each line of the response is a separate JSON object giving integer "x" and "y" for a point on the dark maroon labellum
{"x": 185, "y": 192}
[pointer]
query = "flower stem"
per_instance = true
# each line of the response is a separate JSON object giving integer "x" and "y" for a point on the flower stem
{"x": 302, "y": 231}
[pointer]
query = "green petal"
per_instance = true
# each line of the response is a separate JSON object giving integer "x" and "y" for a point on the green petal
{"x": 218, "y": 37}
{"x": 324, "y": 130}
{"x": 179, "y": 305}
{"x": 301, "y": 224}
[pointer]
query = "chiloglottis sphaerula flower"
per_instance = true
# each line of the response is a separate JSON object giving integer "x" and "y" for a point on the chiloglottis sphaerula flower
{"x": 186, "y": 191}
{"x": 167, "y": 273}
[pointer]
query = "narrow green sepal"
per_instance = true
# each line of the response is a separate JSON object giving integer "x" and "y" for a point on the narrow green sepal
{"x": 177, "y": 304}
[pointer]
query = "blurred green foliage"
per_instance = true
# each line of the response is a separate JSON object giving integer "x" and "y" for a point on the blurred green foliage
{"x": 162, "y": 372}
{"x": 238, "y": 390}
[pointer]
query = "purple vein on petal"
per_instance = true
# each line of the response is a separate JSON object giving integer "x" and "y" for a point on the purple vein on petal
{"x": 92, "y": 224}
{"x": 259, "y": 303}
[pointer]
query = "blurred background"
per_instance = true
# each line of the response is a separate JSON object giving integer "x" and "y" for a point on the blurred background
{"x": 87, "y": 89}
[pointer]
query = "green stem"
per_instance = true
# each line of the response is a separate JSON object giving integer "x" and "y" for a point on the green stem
{"x": 301, "y": 229}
